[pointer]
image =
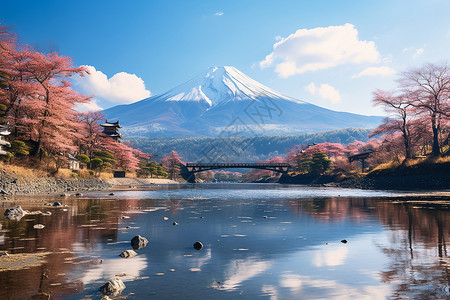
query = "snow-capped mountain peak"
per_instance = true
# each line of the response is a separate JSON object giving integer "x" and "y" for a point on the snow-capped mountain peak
{"x": 221, "y": 84}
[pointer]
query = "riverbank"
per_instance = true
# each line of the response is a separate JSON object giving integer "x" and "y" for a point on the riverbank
{"x": 18, "y": 184}
{"x": 422, "y": 176}
{"x": 23, "y": 181}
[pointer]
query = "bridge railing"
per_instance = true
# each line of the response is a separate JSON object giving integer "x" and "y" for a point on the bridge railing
{"x": 237, "y": 165}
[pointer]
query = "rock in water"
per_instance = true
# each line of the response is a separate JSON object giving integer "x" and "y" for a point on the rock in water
{"x": 15, "y": 213}
{"x": 112, "y": 287}
{"x": 198, "y": 245}
{"x": 41, "y": 296}
{"x": 57, "y": 203}
{"x": 138, "y": 242}
{"x": 344, "y": 241}
{"x": 128, "y": 254}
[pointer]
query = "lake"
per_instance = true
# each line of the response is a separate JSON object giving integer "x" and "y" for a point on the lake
{"x": 263, "y": 241}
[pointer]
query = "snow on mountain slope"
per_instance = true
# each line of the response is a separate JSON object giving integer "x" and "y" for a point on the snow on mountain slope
{"x": 221, "y": 85}
{"x": 221, "y": 97}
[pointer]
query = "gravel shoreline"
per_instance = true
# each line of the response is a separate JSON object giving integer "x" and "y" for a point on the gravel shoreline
{"x": 10, "y": 185}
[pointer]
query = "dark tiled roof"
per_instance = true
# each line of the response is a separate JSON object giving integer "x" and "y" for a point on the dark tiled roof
{"x": 111, "y": 124}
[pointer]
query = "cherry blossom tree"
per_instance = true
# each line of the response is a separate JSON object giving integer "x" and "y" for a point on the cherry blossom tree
{"x": 15, "y": 82}
{"x": 53, "y": 124}
{"x": 330, "y": 149}
{"x": 92, "y": 137}
{"x": 428, "y": 89}
{"x": 171, "y": 163}
{"x": 402, "y": 112}
{"x": 126, "y": 157}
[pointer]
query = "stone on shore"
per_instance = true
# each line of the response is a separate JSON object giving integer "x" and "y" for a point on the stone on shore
{"x": 128, "y": 254}
{"x": 113, "y": 287}
{"x": 138, "y": 242}
{"x": 56, "y": 203}
{"x": 15, "y": 213}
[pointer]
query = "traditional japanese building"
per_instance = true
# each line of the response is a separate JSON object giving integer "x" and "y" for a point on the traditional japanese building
{"x": 112, "y": 129}
{"x": 3, "y": 132}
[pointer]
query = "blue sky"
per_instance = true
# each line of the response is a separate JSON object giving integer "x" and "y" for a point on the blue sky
{"x": 319, "y": 59}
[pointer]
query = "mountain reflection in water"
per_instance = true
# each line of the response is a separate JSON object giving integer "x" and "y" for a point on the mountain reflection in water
{"x": 265, "y": 241}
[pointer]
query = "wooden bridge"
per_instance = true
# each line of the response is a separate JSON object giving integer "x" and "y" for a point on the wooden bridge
{"x": 190, "y": 169}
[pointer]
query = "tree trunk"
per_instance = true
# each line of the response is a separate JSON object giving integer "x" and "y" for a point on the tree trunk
{"x": 37, "y": 150}
{"x": 436, "y": 151}
{"x": 407, "y": 146}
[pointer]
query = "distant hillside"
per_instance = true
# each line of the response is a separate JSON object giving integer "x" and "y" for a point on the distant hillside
{"x": 230, "y": 149}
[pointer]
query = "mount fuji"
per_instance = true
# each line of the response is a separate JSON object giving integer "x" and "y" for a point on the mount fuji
{"x": 222, "y": 101}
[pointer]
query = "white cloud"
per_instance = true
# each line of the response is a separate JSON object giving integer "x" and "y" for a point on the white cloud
{"x": 270, "y": 290}
{"x": 88, "y": 107}
{"x": 240, "y": 270}
{"x": 375, "y": 71}
{"x": 319, "y": 48}
{"x": 311, "y": 88}
{"x": 331, "y": 257}
{"x": 418, "y": 53}
{"x": 292, "y": 281}
{"x": 325, "y": 91}
{"x": 121, "y": 88}
{"x": 219, "y": 13}
{"x": 298, "y": 283}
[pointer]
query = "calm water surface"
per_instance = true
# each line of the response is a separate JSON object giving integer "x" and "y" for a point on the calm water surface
{"x": 260, "y": 241}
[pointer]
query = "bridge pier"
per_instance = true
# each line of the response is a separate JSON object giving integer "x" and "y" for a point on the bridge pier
{"x": 186, "y": 174}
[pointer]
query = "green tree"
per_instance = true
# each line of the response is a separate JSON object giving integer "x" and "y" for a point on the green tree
{"x": 153, "y": 169}
{"x": 320, "y": 163}
{"x": 161, "y": 172}
{"x": 19, "y": 148}
{"x": 83, "y": 159}
{"x": 3, "y": 109}
{"x": 106, "y": 157}
{"x": 96, "y": 163}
